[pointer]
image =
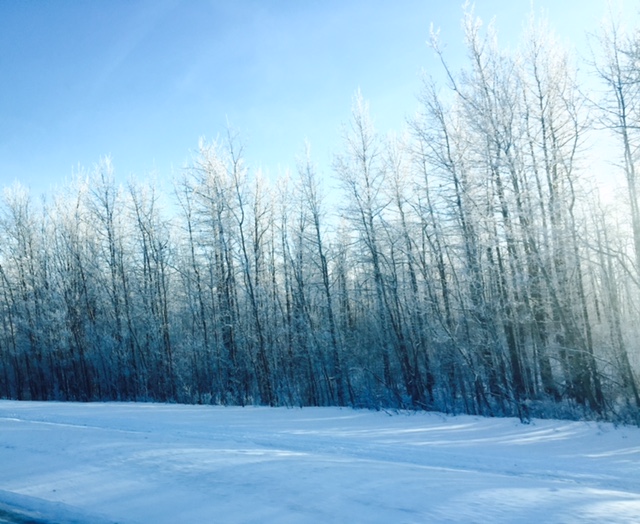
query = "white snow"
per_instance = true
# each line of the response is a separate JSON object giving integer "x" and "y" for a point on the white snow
{"x": 159, "y": 463}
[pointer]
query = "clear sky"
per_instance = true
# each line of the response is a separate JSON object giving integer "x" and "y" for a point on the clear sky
{"x": 143, "y": 80}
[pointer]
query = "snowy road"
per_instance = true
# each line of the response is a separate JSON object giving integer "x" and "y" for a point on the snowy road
{"x": 140, "y": 463}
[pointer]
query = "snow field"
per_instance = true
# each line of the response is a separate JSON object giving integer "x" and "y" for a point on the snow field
{"x": 140, "y": 463}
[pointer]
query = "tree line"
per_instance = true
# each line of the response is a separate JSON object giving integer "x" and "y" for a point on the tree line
{"x": 467, "y": 266}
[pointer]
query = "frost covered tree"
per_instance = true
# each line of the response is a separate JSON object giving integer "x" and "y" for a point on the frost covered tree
{"x": 464, "y": 266}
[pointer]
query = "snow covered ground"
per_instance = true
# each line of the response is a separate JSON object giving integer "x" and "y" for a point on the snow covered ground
{"x": 158, "y": 463}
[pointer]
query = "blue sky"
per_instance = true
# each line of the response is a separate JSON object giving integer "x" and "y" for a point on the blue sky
{"x": 143, "y": 80}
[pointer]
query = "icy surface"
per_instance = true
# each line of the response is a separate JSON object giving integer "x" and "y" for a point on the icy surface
{"x": 142, "y": 463}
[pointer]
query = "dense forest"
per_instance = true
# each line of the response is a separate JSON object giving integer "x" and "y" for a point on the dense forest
{"x": 468, "y": 263}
